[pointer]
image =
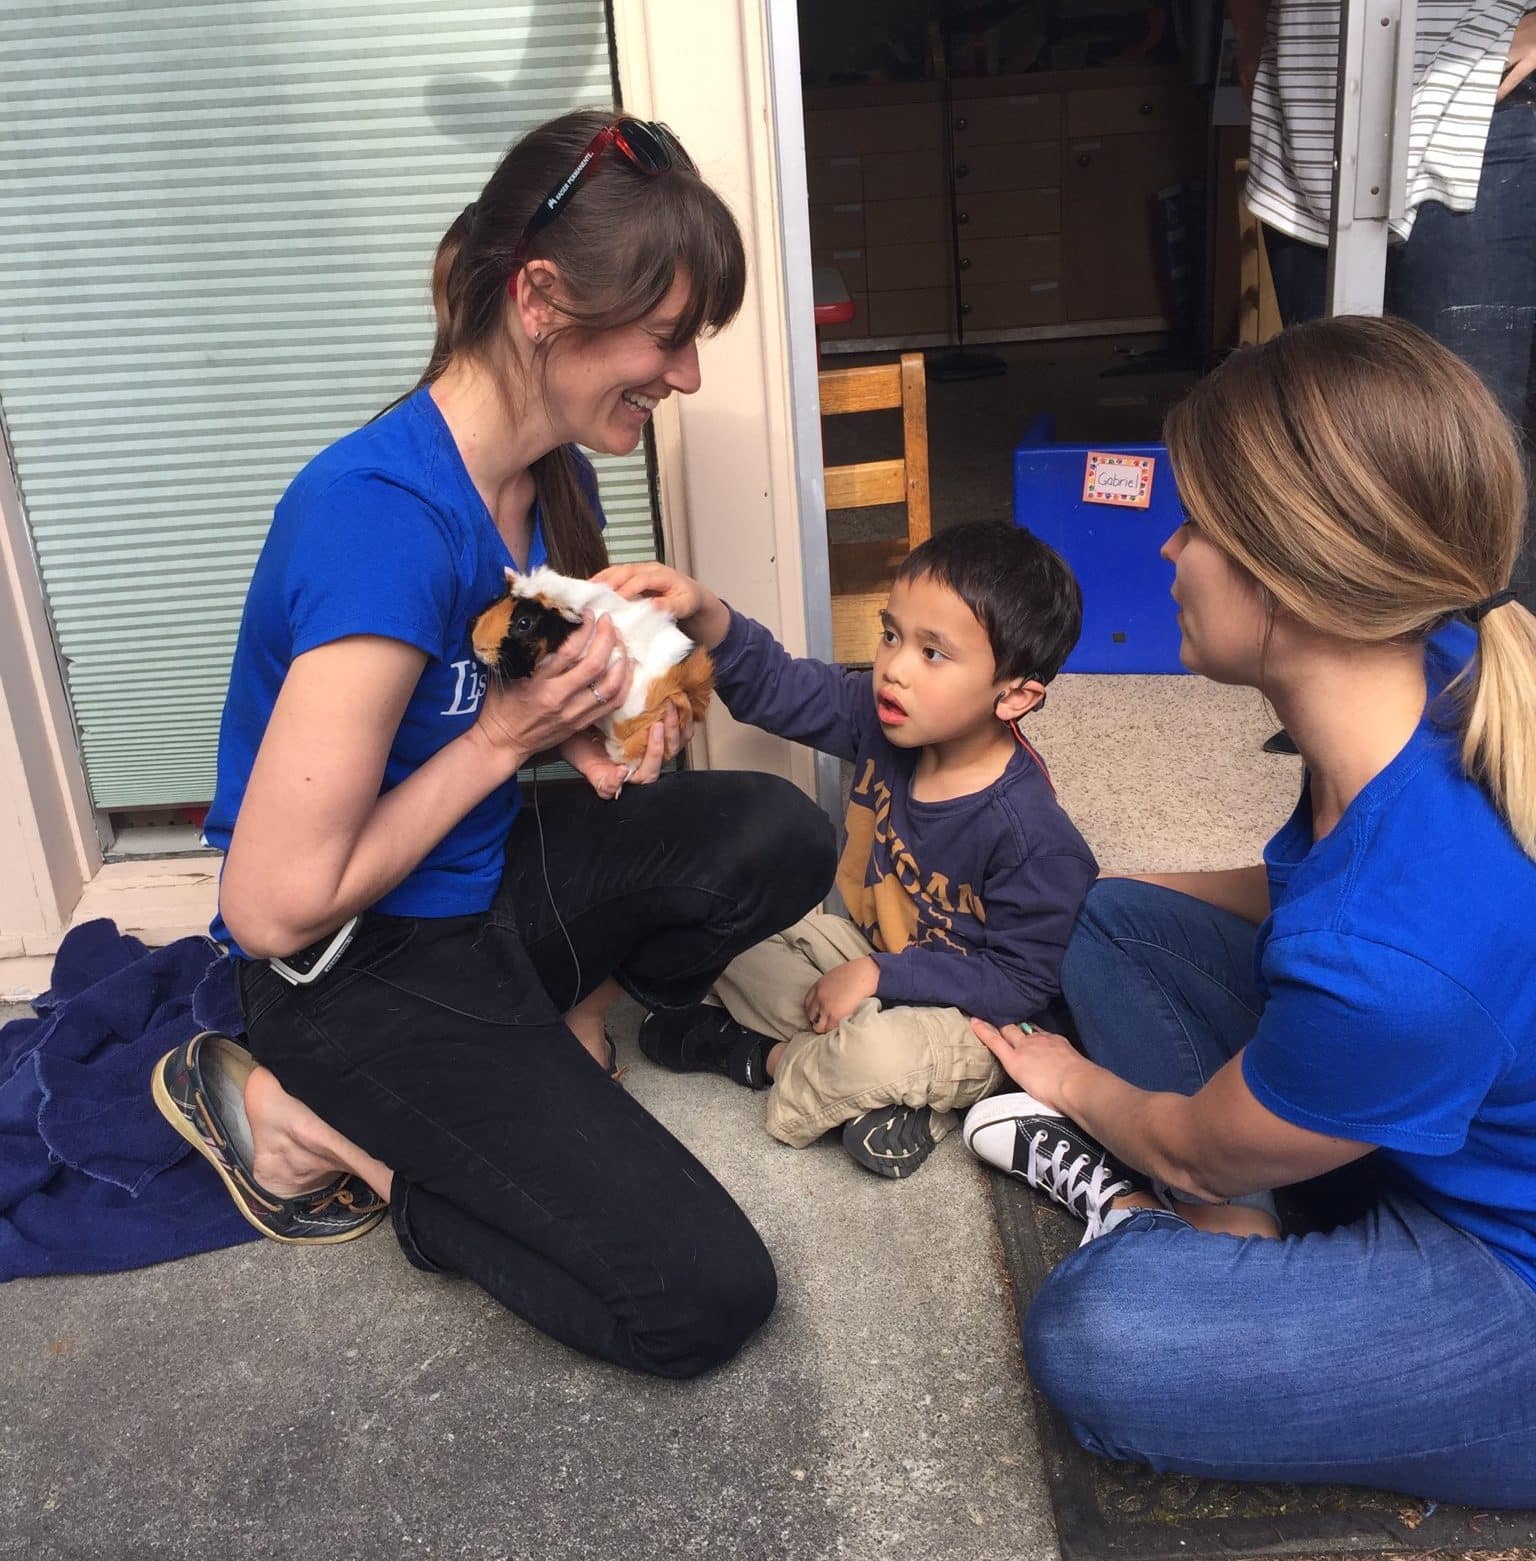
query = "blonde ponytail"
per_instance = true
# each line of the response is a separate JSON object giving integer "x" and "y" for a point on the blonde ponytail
{"x": 1499, "y": 747}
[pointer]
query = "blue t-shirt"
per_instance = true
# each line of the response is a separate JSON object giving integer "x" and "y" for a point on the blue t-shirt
{"x": 382, "y": 533}
{"x": 1400, "y": 996}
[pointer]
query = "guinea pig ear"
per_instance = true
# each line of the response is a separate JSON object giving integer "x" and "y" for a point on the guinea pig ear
{"x": 511, "y": 575}
{"x": 559, "y": 609}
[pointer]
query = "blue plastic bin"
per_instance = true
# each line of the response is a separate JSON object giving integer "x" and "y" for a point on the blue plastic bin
{"x": 1129, "y": 620}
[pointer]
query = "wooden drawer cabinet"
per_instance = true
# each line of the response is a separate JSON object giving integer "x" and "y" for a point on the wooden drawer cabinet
{"x": 899, "y": 127}
{"x": 833, "y": 132}
{"x": 1029, "y": 165}
{"x": 1055, "y": 184}
{"x": 900, "y": 222}
{"x": 911, "y": 311}
{"x": 838, "y": 227}
{"x": 834, "y": 180}
{"x": 1024, "y": 117}
{"x": 903, "y": 127}
{"x": 1108, "y": 255}
{"x": 1127, "y": 110}
{"x": 891, "y": 176}
{"x": 1004, "y": 260}
{"x": 895, "y": 266}
{"x": 996, "y": 306}
{"x": 1008, "y": 212}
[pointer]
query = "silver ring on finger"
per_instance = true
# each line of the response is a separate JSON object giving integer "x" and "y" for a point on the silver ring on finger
{"x": 592, "y": 689}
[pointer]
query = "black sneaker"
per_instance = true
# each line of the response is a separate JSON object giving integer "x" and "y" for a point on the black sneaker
{"x": 200, "y": 1090}
{"x": 1019, "y": 1136}
{"x": 890, "y": 1140}
{"x": 705, "y": 1039}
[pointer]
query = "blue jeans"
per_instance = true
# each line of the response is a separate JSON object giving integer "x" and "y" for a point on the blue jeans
{"x": 1392, "y": 1351}
{"x": 1466, "y": 278}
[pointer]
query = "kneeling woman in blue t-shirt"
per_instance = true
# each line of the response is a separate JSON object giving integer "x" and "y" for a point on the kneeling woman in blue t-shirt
{"x": 448, "y": 1060}
{"x": 1366, "y": 998}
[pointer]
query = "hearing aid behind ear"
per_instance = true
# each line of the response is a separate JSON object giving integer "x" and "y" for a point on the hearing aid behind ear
{"x": 1039, "y": 704}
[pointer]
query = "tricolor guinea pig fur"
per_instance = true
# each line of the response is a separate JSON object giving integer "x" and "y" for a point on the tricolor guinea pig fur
{"x": 539, "y": 613}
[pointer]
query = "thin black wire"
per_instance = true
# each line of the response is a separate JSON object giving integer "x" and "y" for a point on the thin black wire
{"x": 549, "y": 889}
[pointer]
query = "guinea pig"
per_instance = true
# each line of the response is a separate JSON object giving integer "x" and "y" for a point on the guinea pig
{"x": 539, "y": 613}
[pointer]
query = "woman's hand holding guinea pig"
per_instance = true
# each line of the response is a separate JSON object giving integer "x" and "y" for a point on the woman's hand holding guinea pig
{"x": 700, "y": 614}
{"x": 566, "y": 693}
{"x": 585, "y": 752}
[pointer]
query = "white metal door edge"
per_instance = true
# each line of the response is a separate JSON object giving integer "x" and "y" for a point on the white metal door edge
{"x": 1370, "y": 164}
{"x": 793, "y": 196}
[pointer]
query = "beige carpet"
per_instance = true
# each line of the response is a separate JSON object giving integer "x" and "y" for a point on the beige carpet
{"x": 1165, "y": 772}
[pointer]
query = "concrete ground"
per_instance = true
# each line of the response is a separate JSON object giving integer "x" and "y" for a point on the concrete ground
{"x": 276, "y": 1402}
{"x": 272, "y": 1402}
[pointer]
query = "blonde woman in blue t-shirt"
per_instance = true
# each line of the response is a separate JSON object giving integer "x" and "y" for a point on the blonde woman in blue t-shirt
{"x": 1363, "y": 1002}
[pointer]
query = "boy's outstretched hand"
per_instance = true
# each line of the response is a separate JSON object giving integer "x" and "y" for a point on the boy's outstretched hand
{"x": 839, "y": 992}
{"x": 700, "y": 614}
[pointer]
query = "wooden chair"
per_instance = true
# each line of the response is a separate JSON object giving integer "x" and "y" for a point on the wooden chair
{"x": 1258, "y": 312}
{"x": 862, "y": 571}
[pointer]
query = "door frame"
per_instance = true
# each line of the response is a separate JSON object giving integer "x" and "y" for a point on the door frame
{"x": 1370, "y": 168}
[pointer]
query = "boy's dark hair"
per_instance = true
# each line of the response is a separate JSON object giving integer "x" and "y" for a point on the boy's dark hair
{"x": 1021, "y": 590}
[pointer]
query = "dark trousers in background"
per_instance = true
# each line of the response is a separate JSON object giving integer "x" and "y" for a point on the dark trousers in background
{"x": 437, "y": 1045}
{"x": 1466, "y": 278}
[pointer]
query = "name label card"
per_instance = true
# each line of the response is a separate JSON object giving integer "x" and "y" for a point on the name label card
{"x": 1118, "y": 479}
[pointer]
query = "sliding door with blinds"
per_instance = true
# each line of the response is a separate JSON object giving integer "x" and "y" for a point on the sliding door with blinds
{"x": 217, "y": 223}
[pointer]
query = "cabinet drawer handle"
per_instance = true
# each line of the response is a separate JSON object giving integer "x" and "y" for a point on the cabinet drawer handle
{"x": 962, "y": 123}
{"x": 965, "y": 308}
{"x": 961, "y": 170}
{"x": 1083, "y": 160}
{"x": 965, "y": 263}
{"x": 1146, "y": 108}
{"x": 962, "y": 217}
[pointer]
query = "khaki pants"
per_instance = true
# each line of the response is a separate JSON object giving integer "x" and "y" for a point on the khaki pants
{"x": 875, "y": 1057}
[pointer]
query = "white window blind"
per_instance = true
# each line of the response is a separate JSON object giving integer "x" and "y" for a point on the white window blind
{"x": 217, "y": 223}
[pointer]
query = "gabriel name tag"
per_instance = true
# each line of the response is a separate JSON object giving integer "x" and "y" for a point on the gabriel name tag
{"x": 1118, "y": 479}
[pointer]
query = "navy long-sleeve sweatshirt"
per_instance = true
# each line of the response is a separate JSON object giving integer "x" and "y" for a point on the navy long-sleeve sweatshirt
{"x": 968, "y": 902}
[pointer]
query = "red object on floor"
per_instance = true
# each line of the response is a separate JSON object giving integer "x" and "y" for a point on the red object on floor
{"x": 832, "y": 305}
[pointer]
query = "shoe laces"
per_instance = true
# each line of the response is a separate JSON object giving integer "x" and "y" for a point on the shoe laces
{"x": 1083, "y": 1190}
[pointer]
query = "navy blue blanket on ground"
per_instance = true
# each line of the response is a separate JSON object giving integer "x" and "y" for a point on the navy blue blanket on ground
{"x": 92, "y": 1177}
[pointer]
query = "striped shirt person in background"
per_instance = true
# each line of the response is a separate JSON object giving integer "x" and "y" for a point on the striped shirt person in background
{"x": 1462, "y": 264}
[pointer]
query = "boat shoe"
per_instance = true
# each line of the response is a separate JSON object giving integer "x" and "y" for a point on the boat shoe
{"x": 200, "y": 1090}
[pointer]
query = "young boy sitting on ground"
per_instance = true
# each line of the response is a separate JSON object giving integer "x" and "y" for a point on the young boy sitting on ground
{"x": 961, "y": 873}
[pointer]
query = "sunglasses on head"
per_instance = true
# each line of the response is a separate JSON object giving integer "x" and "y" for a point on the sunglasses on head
{"x": 642, "y": 143}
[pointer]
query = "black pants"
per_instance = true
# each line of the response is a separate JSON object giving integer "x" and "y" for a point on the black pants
{"x": 437, "y": 1045}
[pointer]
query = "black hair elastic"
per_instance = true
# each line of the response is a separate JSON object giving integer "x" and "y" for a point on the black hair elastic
{"x": 1480, "y": 610}
{"x": 468, "y": 215}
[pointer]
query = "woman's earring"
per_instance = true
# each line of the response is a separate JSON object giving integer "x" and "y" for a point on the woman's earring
{"x": 538, "y": 336}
